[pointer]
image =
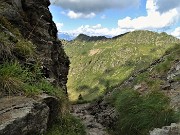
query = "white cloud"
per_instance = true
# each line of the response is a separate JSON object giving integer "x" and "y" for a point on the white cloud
{"x": 96, "y": 30}
{"x": 154, "y": 20}
{"x": 59, "y": 26}
{"x": 74, "y": 15}
{"x": 176, "y": 32}
{"x": 83, "y": 8}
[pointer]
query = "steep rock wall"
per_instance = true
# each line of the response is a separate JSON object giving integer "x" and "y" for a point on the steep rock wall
{"x": 34, "y": 20}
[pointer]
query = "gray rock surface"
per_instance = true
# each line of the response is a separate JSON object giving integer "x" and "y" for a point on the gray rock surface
{"x": 22, "y": 115}
{"x": 93, "y": 127}
{"x": 173, "y": 129}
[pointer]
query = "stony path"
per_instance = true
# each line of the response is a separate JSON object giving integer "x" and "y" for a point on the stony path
{"x": 92, "y": 127}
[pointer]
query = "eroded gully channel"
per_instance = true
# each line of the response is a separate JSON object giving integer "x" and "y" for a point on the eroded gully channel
{"x": 92, "y": 126}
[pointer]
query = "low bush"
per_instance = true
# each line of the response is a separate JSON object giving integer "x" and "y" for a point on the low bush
{"x": 15, "y": 79}
{"x": 5, "y": 23}
{"x": 24, "y": 49}
{"x": 139, "y": 114}
{"x": 11, "y": 78}
{"x": 67, "y": 125}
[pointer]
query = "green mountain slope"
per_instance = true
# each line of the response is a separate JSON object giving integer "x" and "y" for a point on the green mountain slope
{"x": 148, "y": 99}
{"x": 96, "y": 66}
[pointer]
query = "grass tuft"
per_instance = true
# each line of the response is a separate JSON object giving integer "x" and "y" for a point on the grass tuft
{"x": 11, "y": 76}
{"x": 24, "y": 49}
{"x": 67, "y": 125}
{"x": 139, "y": 114}
{"x": 15, "y": 79}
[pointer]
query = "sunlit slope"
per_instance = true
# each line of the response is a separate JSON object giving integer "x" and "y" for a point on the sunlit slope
{"x": 96, "y": 66}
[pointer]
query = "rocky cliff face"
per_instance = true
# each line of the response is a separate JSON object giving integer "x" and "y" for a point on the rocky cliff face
{"x": 28, "y": 38}
{"x": 34, "y": 21}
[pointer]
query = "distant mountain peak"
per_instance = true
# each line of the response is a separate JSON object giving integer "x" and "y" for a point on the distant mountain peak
{"x": 83, "y": 37}
{"x": 134, "y": 34}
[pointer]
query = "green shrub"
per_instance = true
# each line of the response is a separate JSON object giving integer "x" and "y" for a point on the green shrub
{"x": 16, "y": 79}
{"x": 172, "y": 55}
{"x": 138, "y": 114}
{"x": 5, "y": 51}
{"x": 67, "y": 125}
{"x": 141, "y": 77}
{"x": 5, "y": 23}
{"x": 46, "y": 86}
{"x": 11, "y": 76}
{"x": 163, "y": 67}
{"x": 24, "y": 49}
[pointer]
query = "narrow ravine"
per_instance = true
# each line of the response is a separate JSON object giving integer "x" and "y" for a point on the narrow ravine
{"x": 92, "y": 126}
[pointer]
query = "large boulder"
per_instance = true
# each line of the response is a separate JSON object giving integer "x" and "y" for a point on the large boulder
{"x": 22, "y": 115}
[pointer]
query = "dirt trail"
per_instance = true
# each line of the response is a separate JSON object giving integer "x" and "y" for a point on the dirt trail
{"x": 92, "y": 127}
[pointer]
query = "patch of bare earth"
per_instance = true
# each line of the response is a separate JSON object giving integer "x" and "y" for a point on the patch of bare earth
{"x": 94, "y": 51}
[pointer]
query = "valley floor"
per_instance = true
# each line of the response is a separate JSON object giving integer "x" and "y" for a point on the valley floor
{"x": 92, "y": 126}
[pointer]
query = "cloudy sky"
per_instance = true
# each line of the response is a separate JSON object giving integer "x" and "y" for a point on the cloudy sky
{"x": 114, "y": 17}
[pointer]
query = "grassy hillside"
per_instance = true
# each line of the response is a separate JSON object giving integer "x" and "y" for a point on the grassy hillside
{"x": 149, "y": 99}
{"x": 96, "y": 66}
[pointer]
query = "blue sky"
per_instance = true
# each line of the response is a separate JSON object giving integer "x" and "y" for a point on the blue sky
{"x": 114, "y": 17}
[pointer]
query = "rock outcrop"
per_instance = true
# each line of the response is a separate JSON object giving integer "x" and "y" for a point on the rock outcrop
{"x": 22, "y": 115}
{"x": 104, "y": 113}
{"x": 34, "y": 21}
{"x": 173, "y": 129}
{"x": 92, "y": 126}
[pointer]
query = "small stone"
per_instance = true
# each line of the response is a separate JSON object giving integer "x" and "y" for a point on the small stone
{"x": 136, "y": 87}
{"x": 178, "y": 67}
{"x": 166, "y": 86}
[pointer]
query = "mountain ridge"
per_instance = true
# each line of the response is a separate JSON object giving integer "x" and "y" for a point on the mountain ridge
{"x": 83, "y": 37}
{"x": 101, "y": 58}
